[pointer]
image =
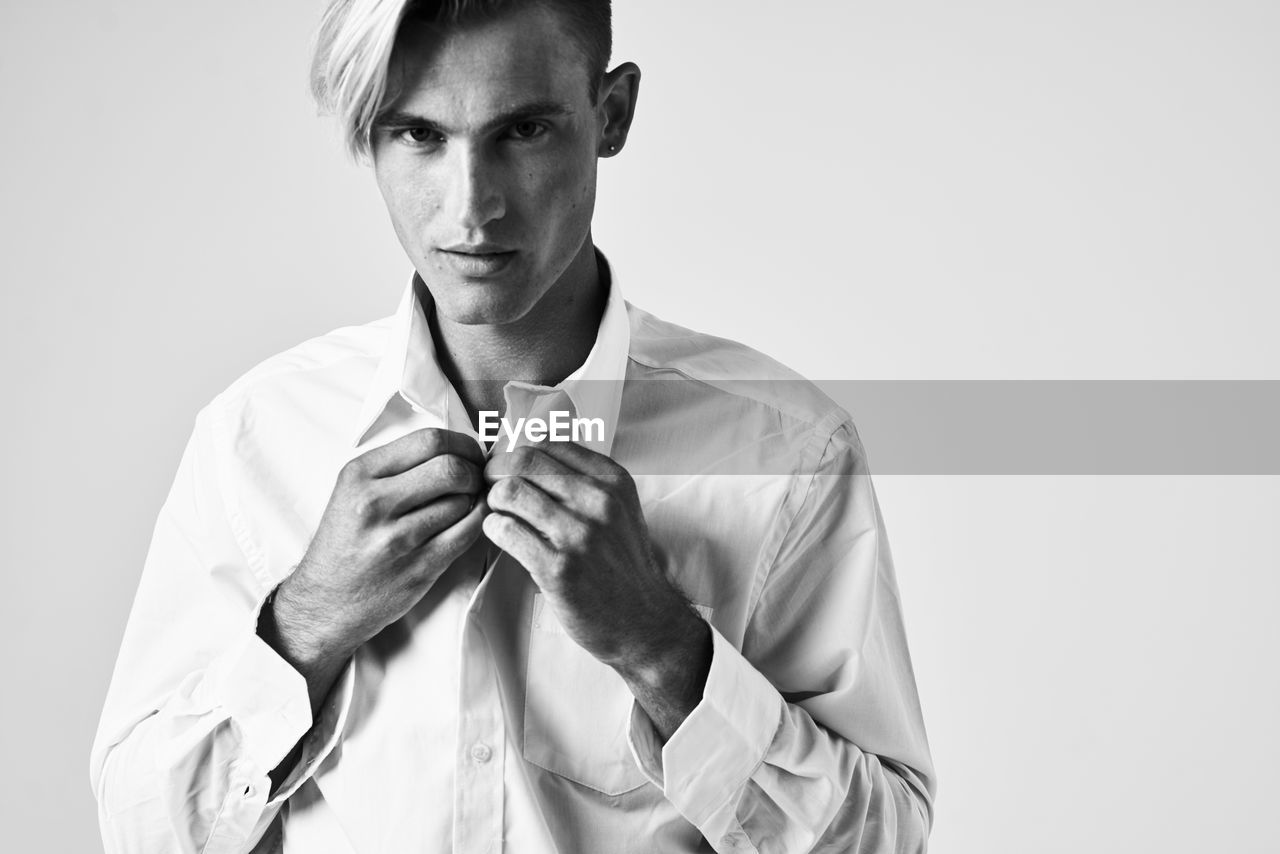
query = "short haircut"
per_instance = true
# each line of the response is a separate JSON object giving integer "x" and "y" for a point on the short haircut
{"x": 353, "y": 49}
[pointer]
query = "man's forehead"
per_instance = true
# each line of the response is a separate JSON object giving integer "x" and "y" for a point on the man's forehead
{"x": 486, "y": 66}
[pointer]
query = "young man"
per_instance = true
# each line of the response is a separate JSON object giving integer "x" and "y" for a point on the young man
{"x": 361, "y": 627}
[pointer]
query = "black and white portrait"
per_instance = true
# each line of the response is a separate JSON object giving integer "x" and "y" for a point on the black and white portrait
{"x": 587, "y": 426}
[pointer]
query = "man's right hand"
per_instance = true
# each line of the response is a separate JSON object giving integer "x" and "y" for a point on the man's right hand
{"x": 399, "y": 515}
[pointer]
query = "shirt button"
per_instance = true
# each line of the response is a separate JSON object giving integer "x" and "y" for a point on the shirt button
{"x": 481, "y": 753}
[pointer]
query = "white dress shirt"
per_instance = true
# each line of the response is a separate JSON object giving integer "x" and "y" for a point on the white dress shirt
{"x": 474, "y": 724}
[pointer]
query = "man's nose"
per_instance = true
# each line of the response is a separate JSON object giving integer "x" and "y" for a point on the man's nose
{"x": 477, "y": 197}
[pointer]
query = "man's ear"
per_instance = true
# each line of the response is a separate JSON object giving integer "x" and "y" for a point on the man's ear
{"x": 617, "y": 103}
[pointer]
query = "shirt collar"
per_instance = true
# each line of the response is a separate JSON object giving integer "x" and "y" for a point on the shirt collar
{"x": 409, "y": 368}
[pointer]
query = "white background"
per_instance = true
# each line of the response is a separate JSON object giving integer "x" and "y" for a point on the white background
{"x": 925, "y": 190}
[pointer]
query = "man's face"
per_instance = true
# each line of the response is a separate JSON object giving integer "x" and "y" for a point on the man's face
{"x": 486, "y": 158}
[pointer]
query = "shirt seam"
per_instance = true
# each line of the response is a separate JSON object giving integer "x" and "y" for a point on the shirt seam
{"x": 814, "y": 423}
{"x": 222, "y": 809}
{"x": 239, "y": 530}
{"x": 769, "y": 564}
{"x": 265, "y": 370}
{"x": 821, "y": 433}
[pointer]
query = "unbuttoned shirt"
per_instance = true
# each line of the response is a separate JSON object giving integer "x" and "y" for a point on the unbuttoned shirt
{"x": 475, "y": 723}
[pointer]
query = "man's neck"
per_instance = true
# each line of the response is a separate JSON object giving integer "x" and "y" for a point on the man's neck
{"x": 543, "y": 347}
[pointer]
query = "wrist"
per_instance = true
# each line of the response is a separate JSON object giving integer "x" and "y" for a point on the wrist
{"x": 298, "y": 634}
{"x": 674, "y": 664}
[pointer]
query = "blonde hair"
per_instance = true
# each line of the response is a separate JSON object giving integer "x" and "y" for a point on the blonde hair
{"x": 352, "y": 56}
{"x": 349, "y": 68}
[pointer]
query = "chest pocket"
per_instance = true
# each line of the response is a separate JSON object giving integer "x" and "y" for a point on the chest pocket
{"x": 576, "y": 711}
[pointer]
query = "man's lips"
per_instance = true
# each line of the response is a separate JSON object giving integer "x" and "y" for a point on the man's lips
{"x": 487, "y": 247}
{"x": 477, "y": 260}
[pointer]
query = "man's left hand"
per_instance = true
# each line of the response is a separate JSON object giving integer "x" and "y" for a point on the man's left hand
{"x": 572, "y": 518}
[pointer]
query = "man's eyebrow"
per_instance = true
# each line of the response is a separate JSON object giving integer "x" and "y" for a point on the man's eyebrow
{"x": 533, "y": 110}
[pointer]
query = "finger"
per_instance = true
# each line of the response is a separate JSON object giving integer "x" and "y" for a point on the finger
{"x": 607, "y": 490}
{"x": 415, "y": 448}
{"x": 517, "y": 497}
{"x": 522, "y": 542}
{"x": 587, "y": 495}
{"x": 413, "y": 529}
{"x": 539, "y": 457}
{"x": 443, "y": 475}
{"x": 458, "y": 537}
{"x": 558, "y": 479}
{"x": 583, "y": 459}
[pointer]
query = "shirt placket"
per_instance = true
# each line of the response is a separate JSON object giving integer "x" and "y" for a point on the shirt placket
{"x": 481, "y": 744}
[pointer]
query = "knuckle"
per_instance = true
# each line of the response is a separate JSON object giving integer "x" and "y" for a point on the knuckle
{"x": 383, "y": 541}
{"x": 455, "y": 507}
{"x": 367, "y": 507}
{"x": 507, "y": 490}
{"x": 396, "y": 541}
{"x": 559, "y": 566}
{"x": 353, "y": 470}
{"x": 599, "y": 503}
{"x": 453, "y": 471}
{"x": 576, "y": 536}
{"x": 431, "y": 440}
{"x": 443, "y": 512}
{"x": 524, "y": 456}
{"x": 516, "y": 488}
{"x": 620, "y": 485}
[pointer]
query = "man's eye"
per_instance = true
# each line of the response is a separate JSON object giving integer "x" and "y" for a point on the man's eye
{"x": 419, "y": 136}
{"x": 527, "y": 130}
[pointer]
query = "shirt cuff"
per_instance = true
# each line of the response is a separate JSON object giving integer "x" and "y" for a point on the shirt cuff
{"x": 324, "y": 734}
{"x": 265, "y": 697}
{"x": 270, "y": 704}
{"x": 717, "y": 748}
{"x": 267, "y": 700}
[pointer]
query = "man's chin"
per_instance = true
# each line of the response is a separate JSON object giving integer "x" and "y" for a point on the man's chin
{"x": 480, "y": 304}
